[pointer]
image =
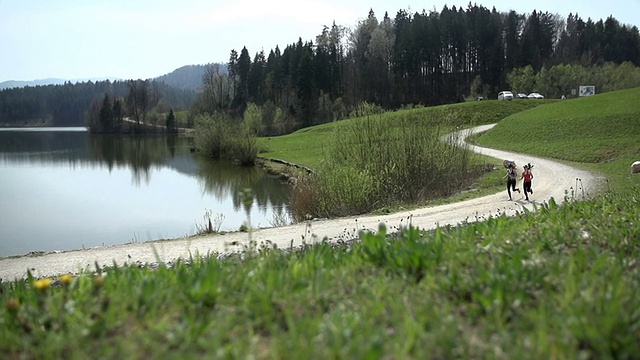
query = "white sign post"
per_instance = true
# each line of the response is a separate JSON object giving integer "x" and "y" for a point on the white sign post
{"x": 587, "y": 90}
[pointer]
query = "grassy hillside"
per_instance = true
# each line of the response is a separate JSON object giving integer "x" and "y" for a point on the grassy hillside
{"x": 305, "y": 147}
{"x": 600, "y": 133}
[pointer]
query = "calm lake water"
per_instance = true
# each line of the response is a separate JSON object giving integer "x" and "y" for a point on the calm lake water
{"x": 64, "y": 189}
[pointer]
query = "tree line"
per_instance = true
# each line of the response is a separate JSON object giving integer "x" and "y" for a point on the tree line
{"x": 130, "y": 114}
{"x": 68, "y": 104}
{"x": 427, "y": 58}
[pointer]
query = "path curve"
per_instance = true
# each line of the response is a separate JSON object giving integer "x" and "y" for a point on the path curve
{"x": 552, "y": 180}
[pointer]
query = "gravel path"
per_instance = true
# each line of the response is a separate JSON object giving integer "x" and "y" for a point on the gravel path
{"x": 552, "y": 179}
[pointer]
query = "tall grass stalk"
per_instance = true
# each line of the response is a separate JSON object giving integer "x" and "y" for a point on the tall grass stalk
{"x": 208, "y": 226}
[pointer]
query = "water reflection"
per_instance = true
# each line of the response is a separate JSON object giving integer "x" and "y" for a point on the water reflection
{"x": 42, "y": 146}
{"x": 221, "y": 180}
{"x": 170, "y": 189}
{"x": 141, "y": 155}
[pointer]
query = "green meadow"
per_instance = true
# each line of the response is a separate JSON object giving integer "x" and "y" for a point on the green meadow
{"x": 307, "y": 146}
{"x": 562, "y": 281}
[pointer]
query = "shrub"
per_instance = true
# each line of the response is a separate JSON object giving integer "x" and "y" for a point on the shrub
{"x": 213, "y": 135}
{"x": 380, "y": 161}
{"x": 218, "y": 137}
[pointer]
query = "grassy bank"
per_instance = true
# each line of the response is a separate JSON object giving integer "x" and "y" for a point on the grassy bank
{"x": 306, "y": 147}
{"x": 560, "y": 282}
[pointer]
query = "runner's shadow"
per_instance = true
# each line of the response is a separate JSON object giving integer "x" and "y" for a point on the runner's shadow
{"x": 524, "y": 201}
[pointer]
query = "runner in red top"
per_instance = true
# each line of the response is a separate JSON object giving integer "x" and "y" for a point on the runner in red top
{"x": 527, "y": 176}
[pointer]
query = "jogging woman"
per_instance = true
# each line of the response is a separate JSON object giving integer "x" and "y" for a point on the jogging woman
{"x": 527, "y": 176}
{"x": 511, "y": 176}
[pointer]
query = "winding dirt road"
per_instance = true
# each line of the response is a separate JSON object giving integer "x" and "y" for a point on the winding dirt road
{"x": 552, "y": 180}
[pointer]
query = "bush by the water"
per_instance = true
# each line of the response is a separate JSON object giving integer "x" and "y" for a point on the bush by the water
{"x": 219, "y": 137}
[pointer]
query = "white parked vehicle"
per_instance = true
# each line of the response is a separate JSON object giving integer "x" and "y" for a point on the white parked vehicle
{"x": 505, "y": 95}
{"x": 535, "y": 96}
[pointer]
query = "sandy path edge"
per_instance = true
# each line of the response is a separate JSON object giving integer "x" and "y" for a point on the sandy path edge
{"x": 552, "y": 180}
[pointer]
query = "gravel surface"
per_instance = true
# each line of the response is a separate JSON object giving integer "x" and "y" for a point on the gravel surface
{"x": 552, "y": 180}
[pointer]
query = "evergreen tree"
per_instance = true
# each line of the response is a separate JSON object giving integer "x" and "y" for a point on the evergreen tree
{"x": 106, "y": 120}
{"x": 243, "y": 68}
{"x": 274, "y": 77}
{"x": 256, "y": 79}
{"x": 170, "y": 122}
{"x": 118, "y": 114}
{"x": 512, "y": 27}
{"x": 403, "y": 57}
{"x": 306, "y": 87}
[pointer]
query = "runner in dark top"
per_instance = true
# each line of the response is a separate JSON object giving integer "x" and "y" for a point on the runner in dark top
{"x": 511, "y": 176}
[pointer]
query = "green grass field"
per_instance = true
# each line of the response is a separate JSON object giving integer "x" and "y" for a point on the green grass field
{"x": 562, "y": 282}
{"x": 306, "y": 146}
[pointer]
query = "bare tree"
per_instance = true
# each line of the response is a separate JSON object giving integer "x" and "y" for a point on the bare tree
{"x": 218, "y": 89}
{"x": 138, "y": 100}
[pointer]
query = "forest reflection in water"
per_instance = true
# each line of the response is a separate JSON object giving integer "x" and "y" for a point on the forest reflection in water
{"x": 163, "y": 172}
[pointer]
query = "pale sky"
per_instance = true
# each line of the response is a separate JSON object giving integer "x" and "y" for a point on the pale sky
{"x": 139, "y": 39}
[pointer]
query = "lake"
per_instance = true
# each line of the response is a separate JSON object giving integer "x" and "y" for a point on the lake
{"x": 64, "y": 189}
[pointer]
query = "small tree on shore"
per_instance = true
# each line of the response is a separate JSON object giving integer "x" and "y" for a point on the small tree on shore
{"x": 171, "y": 124}
{"x": 106, "y": 116}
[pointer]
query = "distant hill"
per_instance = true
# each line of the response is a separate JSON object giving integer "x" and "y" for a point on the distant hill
{"x": 49, "y": 81}
{"x": 188, "y": 77}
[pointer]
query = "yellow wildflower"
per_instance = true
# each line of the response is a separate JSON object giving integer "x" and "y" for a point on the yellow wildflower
{"x": 66, "y": 279}
{"x": 42, "y": 284}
